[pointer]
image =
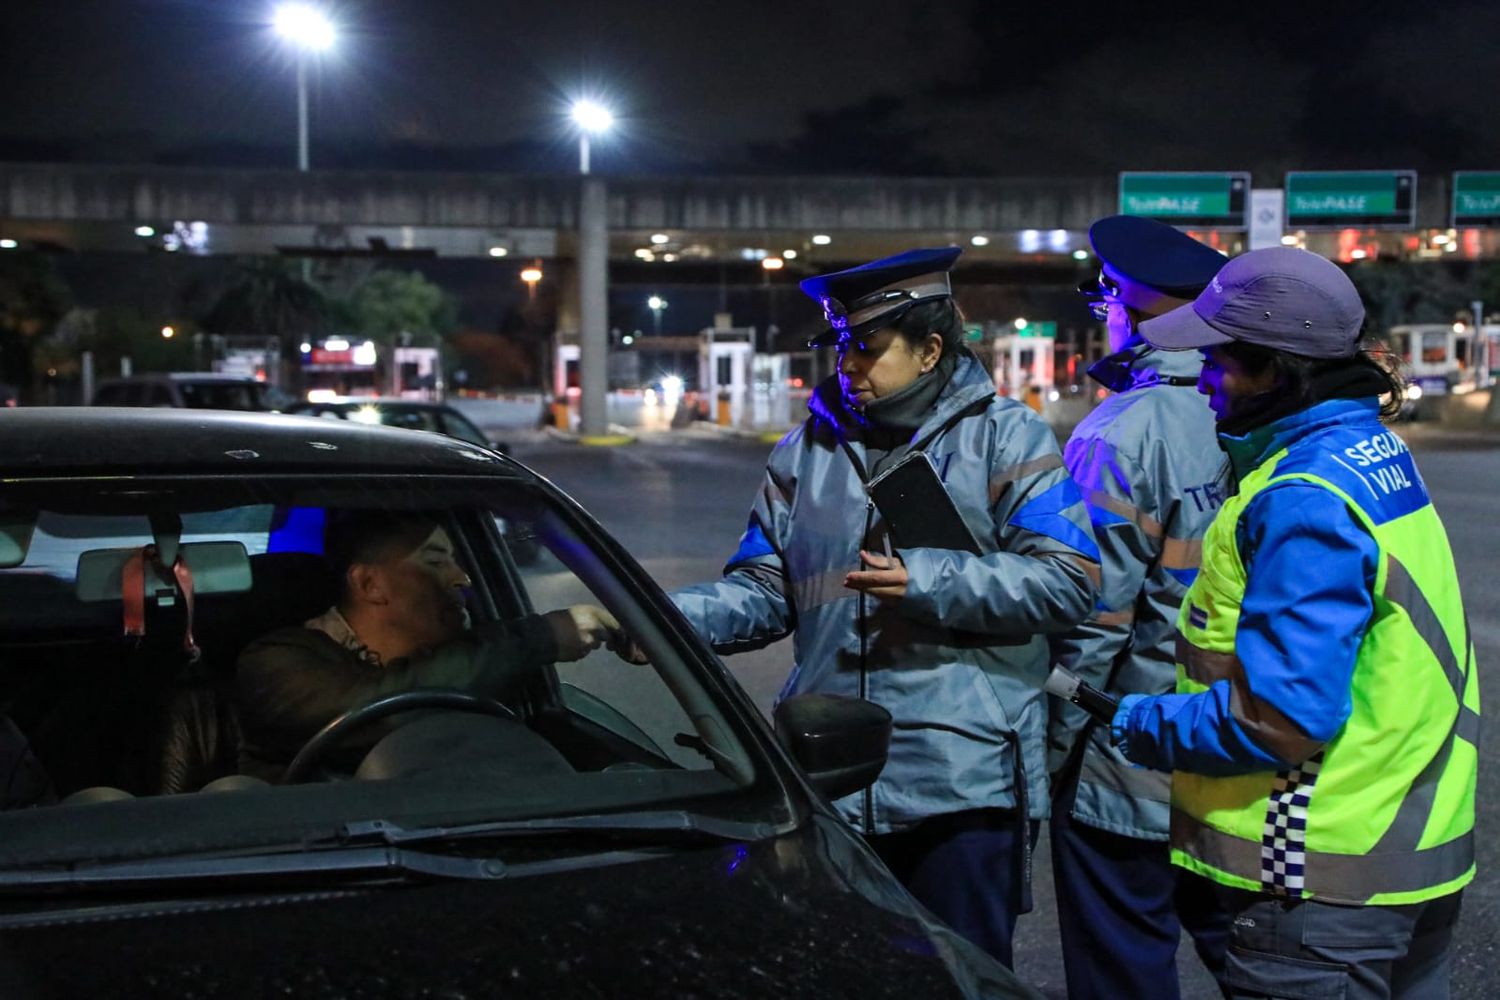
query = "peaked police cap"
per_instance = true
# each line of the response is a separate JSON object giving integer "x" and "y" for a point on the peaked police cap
{"x": 877, "y": 294}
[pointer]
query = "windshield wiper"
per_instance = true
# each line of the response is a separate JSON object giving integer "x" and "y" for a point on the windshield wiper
{"x": 653, "y": 825}
{"x": 338, "y": 863}
{"x": 370, "y": 849}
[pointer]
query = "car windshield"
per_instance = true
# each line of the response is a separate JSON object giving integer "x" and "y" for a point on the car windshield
{"x": 169, "y": 702}
{"x": 221, "y": 395}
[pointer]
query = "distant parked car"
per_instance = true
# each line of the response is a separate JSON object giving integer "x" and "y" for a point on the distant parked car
{"x": 438, "y": 418}
{"x": 413, "y": 415}
{"x": 194, "y": 390}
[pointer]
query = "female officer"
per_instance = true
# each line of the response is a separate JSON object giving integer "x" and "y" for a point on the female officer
{"x": 949, "y": 641}
{"x": 1323, "y": 737}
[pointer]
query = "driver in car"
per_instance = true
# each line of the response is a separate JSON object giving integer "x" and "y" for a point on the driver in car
{"x": 400, "y": 623}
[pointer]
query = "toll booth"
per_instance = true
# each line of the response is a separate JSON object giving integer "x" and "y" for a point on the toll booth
{"x": 725, "y": 366}
{"x": 1023, "y": 362}
{"x": 417, "y": 373}
{"x": 770, "y": 398}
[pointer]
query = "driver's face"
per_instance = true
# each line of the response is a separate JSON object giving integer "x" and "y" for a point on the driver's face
{"x": 426, "y": 591}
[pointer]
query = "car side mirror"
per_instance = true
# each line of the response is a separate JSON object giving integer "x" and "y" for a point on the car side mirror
{"x": 842, "y": 743}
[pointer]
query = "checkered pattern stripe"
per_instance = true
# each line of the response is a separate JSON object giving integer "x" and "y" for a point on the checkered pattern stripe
{"x": 1283, "y": 845}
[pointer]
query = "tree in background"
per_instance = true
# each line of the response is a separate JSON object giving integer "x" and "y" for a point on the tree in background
{"x": 33, "y": 298}
{"x": 1406, "y": 291}
{"x": 112, "y": 334}
{"x": 269, "y": 298}
{"x": 387, "y": 305}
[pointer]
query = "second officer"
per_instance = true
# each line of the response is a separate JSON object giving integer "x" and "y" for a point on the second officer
{"x": 1149, "y": 466}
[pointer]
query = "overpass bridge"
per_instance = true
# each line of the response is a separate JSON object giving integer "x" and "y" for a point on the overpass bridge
{"x": 652, "y": 219}
{"x": 100, "y": 208}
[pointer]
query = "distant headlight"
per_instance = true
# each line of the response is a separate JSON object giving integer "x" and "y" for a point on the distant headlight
{"x": 366, "y": 415}
{"x": 1414, "y": 392}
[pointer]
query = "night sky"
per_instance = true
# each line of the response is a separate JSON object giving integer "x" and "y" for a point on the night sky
{"x": 965, "y": 87}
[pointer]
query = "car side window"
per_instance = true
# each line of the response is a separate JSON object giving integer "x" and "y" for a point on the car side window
{"x": 631, "y": 700}
{"x": 160, "y": 395}
{"x": 455, "y": 426}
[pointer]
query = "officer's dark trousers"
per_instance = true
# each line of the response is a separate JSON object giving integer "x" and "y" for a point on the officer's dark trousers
{"x": 1296, "y": 948}
{"x": 966, "y": 868}
{"x": 1121, "y": 908}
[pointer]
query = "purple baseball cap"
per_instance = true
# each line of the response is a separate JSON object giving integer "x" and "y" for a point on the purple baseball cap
{"x": 1281, "y": 297}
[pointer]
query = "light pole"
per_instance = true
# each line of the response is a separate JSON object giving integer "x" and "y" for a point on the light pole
{"x": 656, "y": 304}
{"x": 307, "y": 30}
{"x": 593, "y": 278}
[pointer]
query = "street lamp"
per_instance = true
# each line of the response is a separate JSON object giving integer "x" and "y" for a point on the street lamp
{"x": 307, "y": 29}
{"x": 656, "y": 304}
{"x": 531, "y": 275}
{"x": 590, "y": 117}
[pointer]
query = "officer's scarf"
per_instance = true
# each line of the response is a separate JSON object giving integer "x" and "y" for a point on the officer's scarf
{"x": 890, "y": 421}
{"x": 1358, "y": 379}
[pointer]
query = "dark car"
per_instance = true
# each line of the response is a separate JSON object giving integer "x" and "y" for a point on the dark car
{"x": 414, "y": 415}
{"x": 617, "y": 829}
{"x": 192, "y": 390}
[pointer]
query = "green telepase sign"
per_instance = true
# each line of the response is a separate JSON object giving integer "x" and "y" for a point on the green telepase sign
{"x": 1209, "y": 200}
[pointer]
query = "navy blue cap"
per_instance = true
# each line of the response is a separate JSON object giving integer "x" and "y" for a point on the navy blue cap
{"x": 1153, "y": 254}
{"x": 877, "y": 294}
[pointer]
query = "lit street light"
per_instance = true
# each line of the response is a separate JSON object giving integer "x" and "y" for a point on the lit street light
{"x": 308, "y": 30}
{"x": 168, "y": 333}
{"x": 531, "y": 275}
{"x": 590, "y": 117}
{"x": 656, "y": 304}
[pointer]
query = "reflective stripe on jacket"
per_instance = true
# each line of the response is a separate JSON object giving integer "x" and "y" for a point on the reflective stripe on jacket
{"x": 960, "y": 660}
{"x": 1152, "y": 473}
{"x": 1364, "y": 793}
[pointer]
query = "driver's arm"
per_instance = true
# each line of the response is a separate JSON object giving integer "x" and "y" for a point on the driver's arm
{"x": 291, "y": 683}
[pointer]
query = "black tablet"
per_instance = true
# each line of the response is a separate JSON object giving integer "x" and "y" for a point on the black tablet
{"x": 917, "y": 509}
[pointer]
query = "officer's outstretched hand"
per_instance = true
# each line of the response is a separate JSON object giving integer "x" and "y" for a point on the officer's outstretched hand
{"x": 583, "y": 628}
{"x": 885, "y": 579}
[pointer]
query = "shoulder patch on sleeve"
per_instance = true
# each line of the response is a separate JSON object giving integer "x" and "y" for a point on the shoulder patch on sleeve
{"x": 753, "y": 545}
{"x": 1043, "y": 515}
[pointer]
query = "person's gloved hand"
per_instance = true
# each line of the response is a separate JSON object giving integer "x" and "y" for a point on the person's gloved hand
{"x": 1119, "y": 726}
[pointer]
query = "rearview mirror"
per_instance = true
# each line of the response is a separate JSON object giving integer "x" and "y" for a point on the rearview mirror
{"x": 842, "y": 743}
{"x": 218, "y": 568}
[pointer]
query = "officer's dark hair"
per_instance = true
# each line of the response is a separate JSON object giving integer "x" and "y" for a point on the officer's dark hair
{"x": 939, "y": 316}
{"x": 372, "y": 536}
{"x": 1297, "y": 377}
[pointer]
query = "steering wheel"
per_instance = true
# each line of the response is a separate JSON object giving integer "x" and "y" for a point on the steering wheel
{"x": 406, "y": 701}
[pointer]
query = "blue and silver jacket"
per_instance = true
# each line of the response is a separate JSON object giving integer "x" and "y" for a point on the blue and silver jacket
{"x": 960, "y": 660}
{"x": 1152, "y": 474}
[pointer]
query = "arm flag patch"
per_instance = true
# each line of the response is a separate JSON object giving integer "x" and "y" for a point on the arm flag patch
{"x": 1043, "y": 515}
{"x": 753, "y": 545}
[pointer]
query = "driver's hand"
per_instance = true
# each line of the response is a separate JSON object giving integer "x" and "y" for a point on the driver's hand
{"x": 583, "y": 628}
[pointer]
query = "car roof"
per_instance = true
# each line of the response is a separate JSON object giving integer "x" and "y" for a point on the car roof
{"x": 103, "y": 440}
{"x": 379, "y": 402}
{"x": 182, "y": 377}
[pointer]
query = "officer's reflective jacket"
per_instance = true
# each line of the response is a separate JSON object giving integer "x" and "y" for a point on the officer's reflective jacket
{"x": 960, "y": 660}
{"x": 1324, "y": 736}
{"x": 1151, "y": 471}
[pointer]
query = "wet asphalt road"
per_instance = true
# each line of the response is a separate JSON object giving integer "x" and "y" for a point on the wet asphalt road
{"x": 678, "y": 501}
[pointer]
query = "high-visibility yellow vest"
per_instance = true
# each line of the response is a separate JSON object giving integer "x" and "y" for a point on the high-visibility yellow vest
{"x": 1384, "y": 812}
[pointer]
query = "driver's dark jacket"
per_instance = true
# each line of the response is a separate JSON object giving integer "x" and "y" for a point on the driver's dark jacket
{"x": 292, "y": 682}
